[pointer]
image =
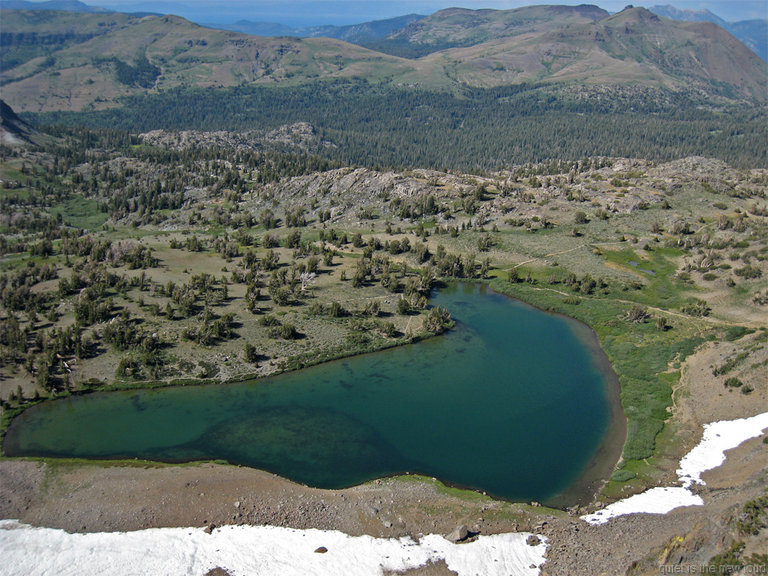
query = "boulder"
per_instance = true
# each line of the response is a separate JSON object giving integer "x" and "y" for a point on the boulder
{"x": 459, "y": 534}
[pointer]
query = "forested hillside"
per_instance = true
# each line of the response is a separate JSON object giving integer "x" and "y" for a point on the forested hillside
{"x": 477, "y": 130}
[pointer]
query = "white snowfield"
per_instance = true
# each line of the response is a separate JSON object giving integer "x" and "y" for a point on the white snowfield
{"x": 708, "y": 454}
{"x": 253, "y": 551}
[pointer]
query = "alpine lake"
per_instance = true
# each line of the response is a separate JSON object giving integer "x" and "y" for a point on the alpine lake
{"x": 515, "y": 402}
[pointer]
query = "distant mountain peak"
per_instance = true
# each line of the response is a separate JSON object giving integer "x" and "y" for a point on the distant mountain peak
{"x": 637, "y": 13}
{"x": 688, "y": 15}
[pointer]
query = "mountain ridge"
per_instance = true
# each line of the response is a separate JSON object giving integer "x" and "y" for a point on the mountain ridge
{"x": 353, "y": 33}
{"x": 80, "y": 60}
{"x": 687, "y": 14}
{"x": 753, "y": 32}
{"x": 461, "y": 27}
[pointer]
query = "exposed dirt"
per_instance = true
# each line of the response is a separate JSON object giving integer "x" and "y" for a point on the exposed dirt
{"x": 95, "y": 498}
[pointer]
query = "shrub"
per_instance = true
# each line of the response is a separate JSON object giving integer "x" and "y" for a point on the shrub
{"x": 623, "y": 476}
{"x": 388, "y": 329}
{"x": 336, "y": 310}
{"x": 250, "y": 353}
{"x": 748, "y": 272}
{"x": 637, "y": 314}
{"x": 403, "y": 306}
{"x": 737, "y": 332}
{"x": 753, "y": 516}
{"x": 269, "y": 320}
{"x": 696, "y": 308}
{"x": 438, "y": 320}
{"x": 289, "y": 332}
{"x": 372, "y": 308}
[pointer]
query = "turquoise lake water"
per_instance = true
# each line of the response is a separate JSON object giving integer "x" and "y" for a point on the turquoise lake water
{"x": 514, "y": 401}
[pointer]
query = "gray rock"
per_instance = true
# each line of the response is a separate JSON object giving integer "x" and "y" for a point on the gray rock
{"x": 459, "y": 534}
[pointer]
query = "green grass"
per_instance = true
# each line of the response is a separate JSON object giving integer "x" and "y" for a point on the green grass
{"x": 21, "y": 193}
{"x": 13, "y": 261}
{"x": 453, "y": 491}
{"x": 634, "y": 475}
{"x": 656, "y": 269}
{"x": 81, "y": 213}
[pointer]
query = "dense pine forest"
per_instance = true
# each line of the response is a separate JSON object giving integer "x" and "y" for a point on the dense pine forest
{"x": 475, "y": 130}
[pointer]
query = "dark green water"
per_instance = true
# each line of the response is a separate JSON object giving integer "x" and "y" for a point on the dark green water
{"x": 513, "y": 401}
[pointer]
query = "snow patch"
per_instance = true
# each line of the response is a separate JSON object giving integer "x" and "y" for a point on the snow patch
{"x": 653, "y": 501}
{"x": 718, "y": 437}
{"x": 708, "y": 454}
{"x": 254, "y": 550}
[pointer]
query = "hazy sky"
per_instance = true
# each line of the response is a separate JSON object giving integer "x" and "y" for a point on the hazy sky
{"x": 340, "y": 12}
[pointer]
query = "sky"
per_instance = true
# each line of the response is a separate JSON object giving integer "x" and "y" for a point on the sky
{"x": 343, "y": 12}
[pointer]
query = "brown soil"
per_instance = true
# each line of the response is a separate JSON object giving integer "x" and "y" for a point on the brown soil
{"x": 93, "y": 497}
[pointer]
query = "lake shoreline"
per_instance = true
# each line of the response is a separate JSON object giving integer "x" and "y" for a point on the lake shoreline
{"x": 597, "y": 473}
{"x": 565, "y": 340}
